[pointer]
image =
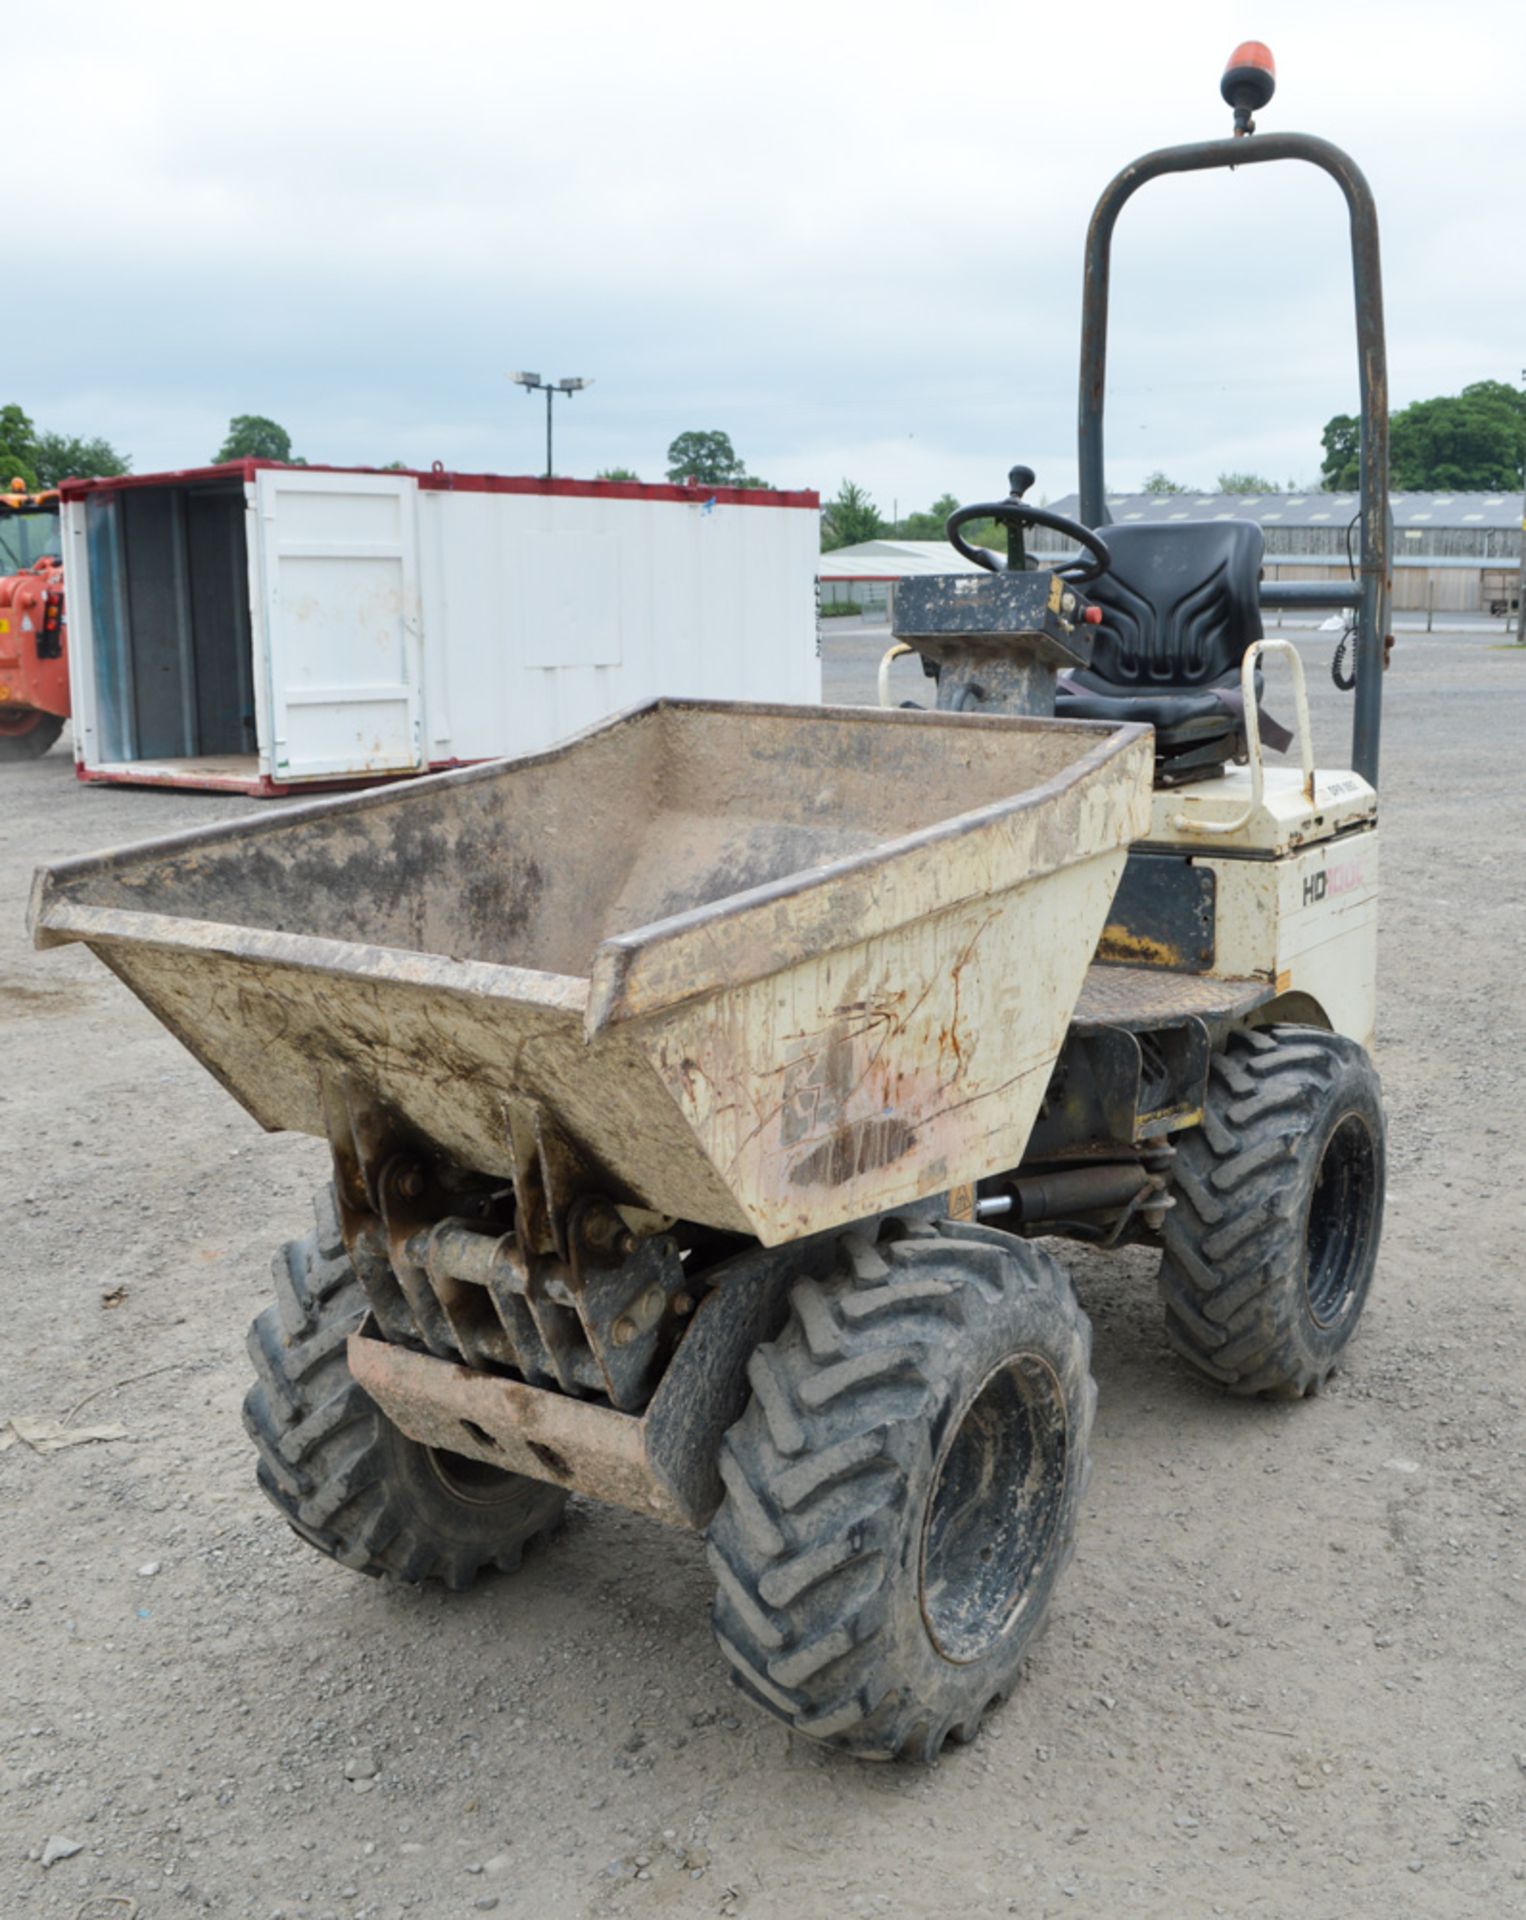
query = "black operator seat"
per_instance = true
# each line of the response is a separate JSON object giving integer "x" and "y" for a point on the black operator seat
{"x": 1180, "y": 605}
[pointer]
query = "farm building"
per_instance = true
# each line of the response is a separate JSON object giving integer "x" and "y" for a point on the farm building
{"x": 1453, "y": 552}
{"x": 862, "y": 575}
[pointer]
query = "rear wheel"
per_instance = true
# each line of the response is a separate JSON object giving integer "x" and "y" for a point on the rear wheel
{"x": 26, "y": 734}
{"x": 1271, "y": 1246}
{"x": 903, "y": 1489}
{"x": 345, "y": 1478}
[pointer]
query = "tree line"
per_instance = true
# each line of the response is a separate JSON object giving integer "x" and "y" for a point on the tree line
{"x": 42, "y": 459}
{"x": 1468, "y": 442}
{"x": 1471, "y": 441}
{"x": 851, "y": 515}
{"x": 701, "y": 458}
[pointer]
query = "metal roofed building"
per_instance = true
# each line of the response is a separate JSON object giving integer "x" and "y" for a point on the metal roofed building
{"x": 864, "y": 573}
{"x": 1453, "y": 552}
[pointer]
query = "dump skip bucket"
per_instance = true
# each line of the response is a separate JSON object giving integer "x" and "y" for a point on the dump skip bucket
{"x": 769, "y": 968}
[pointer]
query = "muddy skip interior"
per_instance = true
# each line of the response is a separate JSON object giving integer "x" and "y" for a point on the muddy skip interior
{"x": 533, "y": 862}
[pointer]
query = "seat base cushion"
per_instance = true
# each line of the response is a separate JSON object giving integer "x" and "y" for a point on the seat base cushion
{"x": 1196, "y": 731}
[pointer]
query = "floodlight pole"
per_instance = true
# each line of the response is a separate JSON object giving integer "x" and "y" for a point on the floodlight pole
{"x": 532, "y": 383}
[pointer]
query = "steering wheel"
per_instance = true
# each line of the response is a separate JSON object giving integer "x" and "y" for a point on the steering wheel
{"x": 1014, "y": 515}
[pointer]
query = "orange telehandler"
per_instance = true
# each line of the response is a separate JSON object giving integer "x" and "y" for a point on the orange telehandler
{"x": 34, "y": 667}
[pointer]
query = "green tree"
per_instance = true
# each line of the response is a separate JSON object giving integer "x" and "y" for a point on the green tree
{"x": 850, "y": 516}
{"x": 18, "y": 448}
{"x": 1475, "y": 439}
{"x": 251, "y": 436}
{"x": 63, "y": 456}
{"x": 623, "y": 473}
{"x": 708, "y": 458}
{"x": 1158, "y": 483}
{"x": 928, "y": 525}
{"x": 1246, "y": 483}
{"x": 1342, "y": 442}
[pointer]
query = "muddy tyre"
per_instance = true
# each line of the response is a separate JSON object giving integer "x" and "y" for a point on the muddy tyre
{"x": 903, "y": 1489}
{"x": 28, "y": 736}
{"x": 1271, "y": 1246}
{"x": 343, "y": 1476}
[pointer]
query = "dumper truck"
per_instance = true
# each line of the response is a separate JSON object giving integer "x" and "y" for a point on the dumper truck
{"x": 707, "y": 1095}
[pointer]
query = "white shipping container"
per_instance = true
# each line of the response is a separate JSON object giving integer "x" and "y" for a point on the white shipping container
{"x": 258, "y": 628}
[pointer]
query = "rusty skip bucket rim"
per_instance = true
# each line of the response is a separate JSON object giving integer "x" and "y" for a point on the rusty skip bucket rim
{"x": 54, "y": 919}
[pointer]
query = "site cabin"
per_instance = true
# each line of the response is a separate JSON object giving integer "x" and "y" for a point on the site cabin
{"x": 259, "y": 628}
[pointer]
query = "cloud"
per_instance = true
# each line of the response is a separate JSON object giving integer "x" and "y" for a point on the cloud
{"x": 850, "y": 235}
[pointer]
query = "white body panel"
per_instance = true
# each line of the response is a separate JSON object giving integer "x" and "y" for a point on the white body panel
{"x": 401, "y": 620}
{"x": 1286, "y": 818}
{"x": 1309, "y": 923}
{"x": 1296, "y": 886}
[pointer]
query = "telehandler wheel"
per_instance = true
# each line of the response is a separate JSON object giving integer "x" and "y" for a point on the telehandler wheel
{"x": 28, "y": 735}
{"x": 347, "y": 1480}
{"x": 1271, "y": 1245}
{"x": 903, "y": 1489}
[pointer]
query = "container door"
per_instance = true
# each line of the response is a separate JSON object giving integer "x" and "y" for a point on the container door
{"x": 334, "y": 572}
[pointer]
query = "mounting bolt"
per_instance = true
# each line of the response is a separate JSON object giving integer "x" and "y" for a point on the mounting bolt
{"x": 605, "y": 1232}
{"x": 640, "y": 1317}
{"x": 410, "y": 1180}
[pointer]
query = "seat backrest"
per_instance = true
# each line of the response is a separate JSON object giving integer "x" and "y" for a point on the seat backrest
{"x": 1180, "y": 603}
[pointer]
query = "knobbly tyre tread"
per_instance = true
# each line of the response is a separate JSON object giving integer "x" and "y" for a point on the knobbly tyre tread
{"x": 1231, "y": 1278}
{"x": 816, "y": 1547}
{"x": 344, "y": 1478}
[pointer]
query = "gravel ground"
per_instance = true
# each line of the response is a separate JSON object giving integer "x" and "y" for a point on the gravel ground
{"x": 1285, "y": 1672}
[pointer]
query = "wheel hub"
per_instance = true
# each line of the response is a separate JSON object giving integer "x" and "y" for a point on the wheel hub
{"x": 472, "y": 1480}
{"x": 993, "y": 1516}
{"x": 1341, "y": 1209}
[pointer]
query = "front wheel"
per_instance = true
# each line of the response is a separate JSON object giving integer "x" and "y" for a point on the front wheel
{"x": 1271, "y": 1246}
{"x": 348, "y": 1481}
{"x": 903, "y": 1489}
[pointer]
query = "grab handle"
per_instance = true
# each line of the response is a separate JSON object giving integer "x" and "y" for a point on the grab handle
{"x": 1183, "y": 823}
{"x": 891, "y": 656}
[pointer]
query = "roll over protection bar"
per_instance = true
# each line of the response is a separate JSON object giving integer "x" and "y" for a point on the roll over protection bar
{"x": 1372, "y": 590}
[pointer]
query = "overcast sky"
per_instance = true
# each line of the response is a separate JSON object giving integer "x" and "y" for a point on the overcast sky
{"x": 848, "y": 234}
